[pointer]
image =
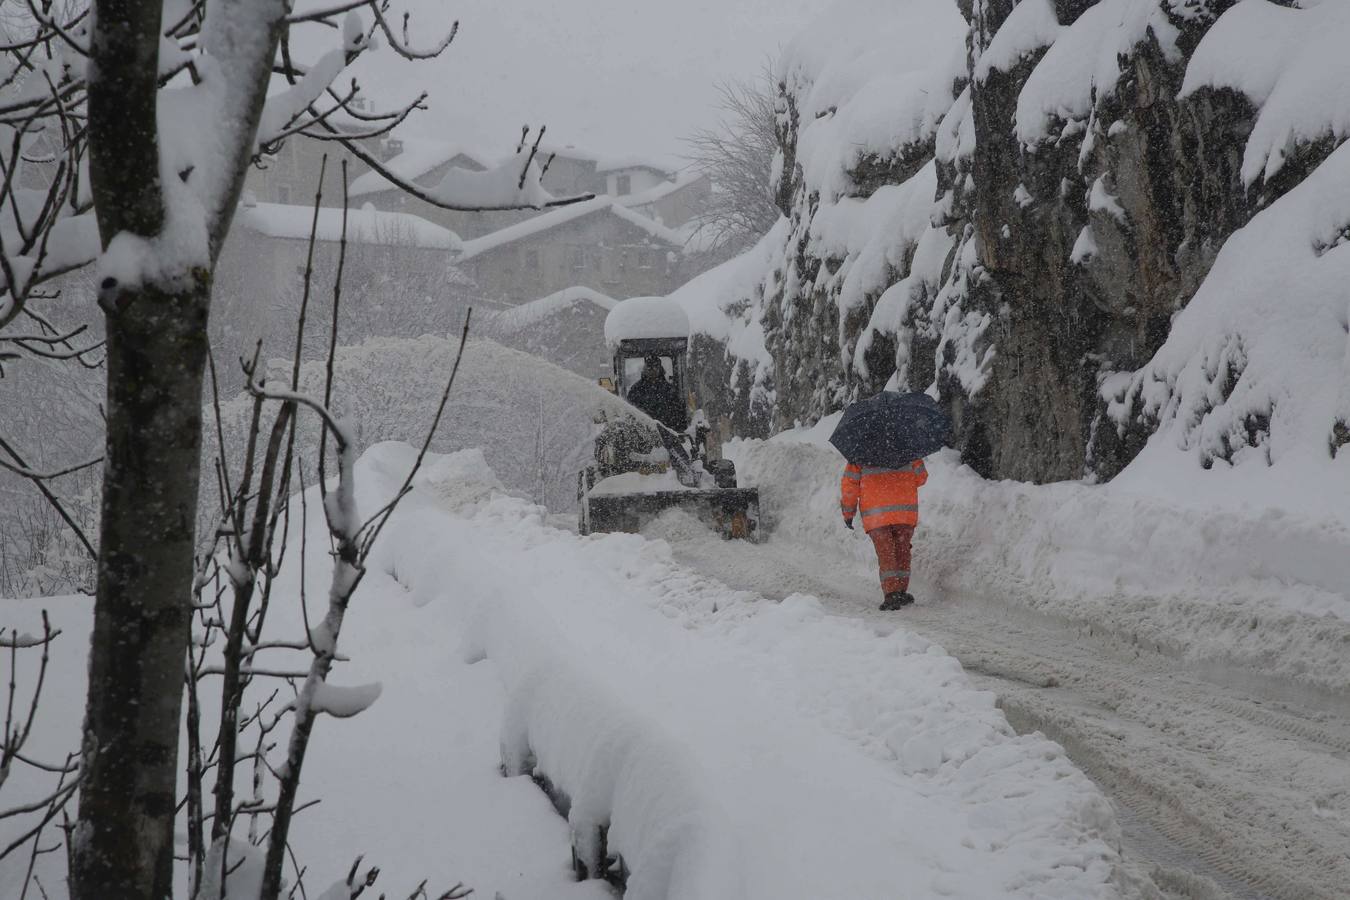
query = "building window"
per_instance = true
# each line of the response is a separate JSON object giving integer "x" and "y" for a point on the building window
{"x": 646, "y": 259}
{"x": 578, "y": 258}
{"x": 623, "y": 184}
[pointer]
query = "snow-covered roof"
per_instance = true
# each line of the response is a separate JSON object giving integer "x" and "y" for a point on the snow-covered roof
{"x": 527, "y": 314}
{"x": 364, "y": 226}
{"x": 663, "y": 165}
{"x": 665, "y": 189}
{"x": 654, "y": 228}
{"x": 419, "y": 157}
{"x": 639, "y": 318}
{"x": 562, "y": 216}
{"x": 568, "y": 151}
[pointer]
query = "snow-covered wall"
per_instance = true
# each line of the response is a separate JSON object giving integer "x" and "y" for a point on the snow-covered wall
{"x": 1014, "y": 203}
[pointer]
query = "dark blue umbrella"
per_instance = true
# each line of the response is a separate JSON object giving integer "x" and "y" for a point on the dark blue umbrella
{"x": 891, "y": 430}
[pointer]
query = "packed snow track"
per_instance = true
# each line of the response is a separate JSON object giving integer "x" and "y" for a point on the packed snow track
{"x": 1226, "y": 785}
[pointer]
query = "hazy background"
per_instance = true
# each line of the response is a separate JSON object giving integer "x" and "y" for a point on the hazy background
{"x": 615, "y": 76}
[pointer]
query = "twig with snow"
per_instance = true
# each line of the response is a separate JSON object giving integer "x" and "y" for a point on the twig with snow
{"x": 18, "y": 727}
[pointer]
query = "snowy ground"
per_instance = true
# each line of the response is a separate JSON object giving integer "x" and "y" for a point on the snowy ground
{"x": 1207, "y": 568}
{"x": 735, "y": 747}
{"x": 1205, "y": 694}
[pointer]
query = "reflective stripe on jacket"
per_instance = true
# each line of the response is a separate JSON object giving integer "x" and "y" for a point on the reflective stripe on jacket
{"x": 884, "y": 496}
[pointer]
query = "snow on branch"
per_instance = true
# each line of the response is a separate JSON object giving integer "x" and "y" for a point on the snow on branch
{"x": 514, "y": 184}
{"x": 343, "y": 702}
{"x": 19, "y": 717}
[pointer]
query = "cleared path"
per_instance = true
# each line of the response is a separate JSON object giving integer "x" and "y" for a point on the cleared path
{"x": 1227, "y": 785}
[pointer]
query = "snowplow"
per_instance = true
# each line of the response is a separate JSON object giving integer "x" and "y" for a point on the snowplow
{"x": 658, "y": 456}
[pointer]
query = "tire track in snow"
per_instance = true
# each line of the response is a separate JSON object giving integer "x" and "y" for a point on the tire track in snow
{"x": 1248, "y": 797}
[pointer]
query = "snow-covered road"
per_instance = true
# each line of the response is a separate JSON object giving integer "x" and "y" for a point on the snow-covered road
{"x": 1228, "y": 785}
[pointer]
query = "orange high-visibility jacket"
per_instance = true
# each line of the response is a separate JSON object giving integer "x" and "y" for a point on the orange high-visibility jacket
{"x": 885, "y": 496}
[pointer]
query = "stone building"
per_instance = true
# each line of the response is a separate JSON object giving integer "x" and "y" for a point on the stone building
{"x": 674, "y": 202}
{"x": 628, "y": 241}
{"x": 399, "y": 277}
{"x": 599, "y": 244}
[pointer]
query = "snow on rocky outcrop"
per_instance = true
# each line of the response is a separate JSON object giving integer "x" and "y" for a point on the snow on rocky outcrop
{"x": 1019, "y": 210}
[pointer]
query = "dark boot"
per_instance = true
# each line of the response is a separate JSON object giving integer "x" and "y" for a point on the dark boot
{"x": 896, "y": 600}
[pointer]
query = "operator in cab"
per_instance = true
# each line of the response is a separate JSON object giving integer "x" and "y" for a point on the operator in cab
{"x": 657, "y": 397}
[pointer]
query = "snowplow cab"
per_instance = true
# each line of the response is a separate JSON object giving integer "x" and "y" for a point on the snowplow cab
{"x": 657, "y": 458}
{"x": 644, "y": 327}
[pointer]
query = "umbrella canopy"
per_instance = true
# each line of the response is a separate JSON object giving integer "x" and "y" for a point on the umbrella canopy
{"x": 891, "y": 430}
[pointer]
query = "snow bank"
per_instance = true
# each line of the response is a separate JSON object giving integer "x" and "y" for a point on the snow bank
{"x": 1291, "y": 63}
{"x": 739, "y": 748}
{"x": 734, "y": 747}
{"x": 1150, "y": 561}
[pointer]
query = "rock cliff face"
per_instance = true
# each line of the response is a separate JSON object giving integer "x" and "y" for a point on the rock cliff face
{"x": 1017, "y": 221}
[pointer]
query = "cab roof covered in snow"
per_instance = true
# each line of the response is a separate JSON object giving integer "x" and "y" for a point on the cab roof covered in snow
{"x": 642, "y": 318}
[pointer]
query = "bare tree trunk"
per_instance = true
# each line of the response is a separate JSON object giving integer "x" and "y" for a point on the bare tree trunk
{"x": 156, "y": 351}
{"x": 156, "y": 355}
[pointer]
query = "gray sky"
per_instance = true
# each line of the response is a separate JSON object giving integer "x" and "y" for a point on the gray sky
{"x": 613, "y": 76}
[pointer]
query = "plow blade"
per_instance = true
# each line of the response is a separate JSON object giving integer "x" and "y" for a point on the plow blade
{"x": 732, "y": 512}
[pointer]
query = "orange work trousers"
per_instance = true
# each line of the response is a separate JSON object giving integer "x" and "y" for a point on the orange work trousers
{"x": 893, "y": 555}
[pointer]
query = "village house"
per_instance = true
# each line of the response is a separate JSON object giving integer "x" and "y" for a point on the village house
{"x": 566, "y": 328}
{"x": 291, "y": 175}
{"x": 628, "y": 241}
{"x": 599, "y": 244}
{"x": 399, "y": 276}
{"x": 425, "y": 163}
{"x": 673, "y": 203}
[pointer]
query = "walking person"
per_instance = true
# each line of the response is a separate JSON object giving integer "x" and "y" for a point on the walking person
{"x": 884, "y": 439}
{"x": 888, "y": 500}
